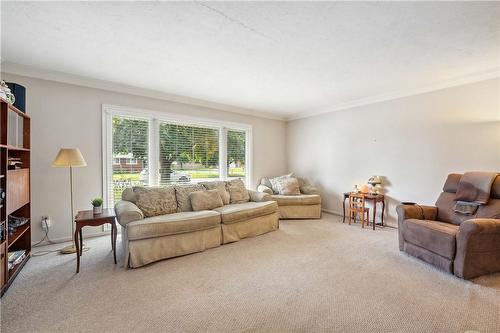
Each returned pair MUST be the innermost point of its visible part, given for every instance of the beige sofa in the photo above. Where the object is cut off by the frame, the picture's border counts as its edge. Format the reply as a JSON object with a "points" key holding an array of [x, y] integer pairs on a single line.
{"points": [[307, 205], [146, 240]]}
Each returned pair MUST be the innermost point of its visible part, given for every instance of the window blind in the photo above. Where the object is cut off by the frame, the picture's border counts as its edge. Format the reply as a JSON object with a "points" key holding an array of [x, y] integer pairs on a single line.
{"points": [[130, 145], [236, 147], [187, 153]]}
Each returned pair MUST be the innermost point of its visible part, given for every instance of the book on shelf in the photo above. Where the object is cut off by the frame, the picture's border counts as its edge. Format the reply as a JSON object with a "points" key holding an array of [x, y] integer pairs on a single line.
{"points": [[14, 163], [16, 257]]}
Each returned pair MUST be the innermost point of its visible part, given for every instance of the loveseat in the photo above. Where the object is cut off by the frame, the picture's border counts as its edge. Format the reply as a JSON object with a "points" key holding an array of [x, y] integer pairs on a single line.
{"points": [[465, 245], [149, 236], [305, 203]]}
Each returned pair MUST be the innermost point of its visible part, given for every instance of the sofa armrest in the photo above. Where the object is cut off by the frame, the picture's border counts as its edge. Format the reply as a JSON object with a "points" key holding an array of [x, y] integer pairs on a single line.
{"points": [[309, 189], [259, 196], [127, 212], [265, 189], [478, 250], [419, 212]]}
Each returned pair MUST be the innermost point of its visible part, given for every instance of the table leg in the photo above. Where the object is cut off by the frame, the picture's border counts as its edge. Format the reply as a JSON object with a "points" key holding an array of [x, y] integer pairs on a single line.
{"points": [[114, 232], [343, 210], [77, 244], [383, 210], [374, 213], [81, 242]]}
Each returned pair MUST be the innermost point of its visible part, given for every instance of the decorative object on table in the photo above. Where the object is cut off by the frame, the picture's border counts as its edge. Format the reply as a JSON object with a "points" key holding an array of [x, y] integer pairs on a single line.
{"points": [[20, 95], [97, 204], [87, 218], [375, 182], [364, 188], [355, 189], [70, 157], [7, 93]]}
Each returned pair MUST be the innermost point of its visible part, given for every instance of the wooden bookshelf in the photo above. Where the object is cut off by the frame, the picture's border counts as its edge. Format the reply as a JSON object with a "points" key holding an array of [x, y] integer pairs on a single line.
{"points": [[15, 143]]}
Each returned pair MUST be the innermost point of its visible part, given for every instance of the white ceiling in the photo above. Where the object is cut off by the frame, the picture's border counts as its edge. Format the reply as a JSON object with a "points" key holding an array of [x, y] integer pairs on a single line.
{"points": [[289, 59]]}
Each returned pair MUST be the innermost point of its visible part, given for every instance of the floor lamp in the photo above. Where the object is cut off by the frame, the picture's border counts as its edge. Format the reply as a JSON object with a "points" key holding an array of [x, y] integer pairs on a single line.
{"points": [[70, 157]]}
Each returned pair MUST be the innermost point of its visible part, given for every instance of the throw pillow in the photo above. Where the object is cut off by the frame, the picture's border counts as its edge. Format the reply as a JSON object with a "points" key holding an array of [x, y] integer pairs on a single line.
{"points": [[154, 201], [274, 182], [205, 200], [237, 191], [288, 186], [220, 186], [182, 195]]}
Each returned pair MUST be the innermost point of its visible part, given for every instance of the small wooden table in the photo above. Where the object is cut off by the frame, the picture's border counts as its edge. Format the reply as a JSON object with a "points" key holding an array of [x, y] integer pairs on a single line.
{"points": [[374, 198], [87, 218]]}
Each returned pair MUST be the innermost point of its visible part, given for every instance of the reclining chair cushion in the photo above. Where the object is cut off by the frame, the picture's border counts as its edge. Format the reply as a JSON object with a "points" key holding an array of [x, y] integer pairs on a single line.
{"points": [[437, 237]]}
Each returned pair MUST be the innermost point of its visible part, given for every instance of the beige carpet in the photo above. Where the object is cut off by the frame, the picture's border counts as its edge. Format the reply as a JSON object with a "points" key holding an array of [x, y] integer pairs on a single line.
{"points": [[310, 276]]}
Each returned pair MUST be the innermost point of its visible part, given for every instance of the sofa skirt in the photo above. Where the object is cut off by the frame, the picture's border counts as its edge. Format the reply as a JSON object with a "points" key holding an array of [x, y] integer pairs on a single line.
{"points": [[300, 212], [145, 251], [249, 228]]}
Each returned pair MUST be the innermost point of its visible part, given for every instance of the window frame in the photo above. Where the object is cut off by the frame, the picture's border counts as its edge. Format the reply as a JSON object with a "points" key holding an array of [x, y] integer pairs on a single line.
{"points": [[154, 118]]}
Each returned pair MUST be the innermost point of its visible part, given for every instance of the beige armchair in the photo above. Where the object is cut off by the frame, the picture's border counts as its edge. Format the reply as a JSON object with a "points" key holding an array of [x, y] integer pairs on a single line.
{"points": [[307, 205], [467, 246]]}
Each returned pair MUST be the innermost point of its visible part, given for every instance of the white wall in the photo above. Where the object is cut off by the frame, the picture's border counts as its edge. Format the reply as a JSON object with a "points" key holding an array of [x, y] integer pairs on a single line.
{"points": [[65, 115], [414, 142]]}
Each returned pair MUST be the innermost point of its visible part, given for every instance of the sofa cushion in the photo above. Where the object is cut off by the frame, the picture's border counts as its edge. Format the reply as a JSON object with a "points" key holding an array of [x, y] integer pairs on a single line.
{"points": [[297, 200], [240, 212], [288, 186], [437, 237], [182, 195], [171, 224], [237, 191], [220, 186], [154, 201], [205, 200], [275, 182]]}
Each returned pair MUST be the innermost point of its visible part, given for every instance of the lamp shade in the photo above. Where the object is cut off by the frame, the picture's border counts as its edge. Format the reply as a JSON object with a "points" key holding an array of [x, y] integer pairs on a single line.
{"points": [[69, 157], [374, 180]]}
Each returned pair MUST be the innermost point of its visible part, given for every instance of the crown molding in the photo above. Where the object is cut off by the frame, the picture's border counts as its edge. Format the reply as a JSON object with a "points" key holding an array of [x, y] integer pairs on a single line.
{"points": [[23, 70], [454, 82]]}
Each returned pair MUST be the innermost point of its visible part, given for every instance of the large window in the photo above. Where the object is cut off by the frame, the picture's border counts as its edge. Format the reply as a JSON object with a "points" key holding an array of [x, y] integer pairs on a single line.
{"points": [[188, 153], [151, 148], [236, 154]]}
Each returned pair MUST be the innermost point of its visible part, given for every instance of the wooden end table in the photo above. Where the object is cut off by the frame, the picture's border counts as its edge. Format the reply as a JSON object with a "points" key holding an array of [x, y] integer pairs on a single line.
{"points": [[88, 218], [374, 198]]}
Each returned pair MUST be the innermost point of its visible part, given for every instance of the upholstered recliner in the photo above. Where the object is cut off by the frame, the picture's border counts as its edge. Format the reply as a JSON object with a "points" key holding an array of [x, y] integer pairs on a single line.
{"points": [[306, 205], [465, 245]]}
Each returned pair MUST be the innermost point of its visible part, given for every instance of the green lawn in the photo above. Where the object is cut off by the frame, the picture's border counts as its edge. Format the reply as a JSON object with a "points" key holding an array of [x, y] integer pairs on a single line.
{"points": [[195, 174]]}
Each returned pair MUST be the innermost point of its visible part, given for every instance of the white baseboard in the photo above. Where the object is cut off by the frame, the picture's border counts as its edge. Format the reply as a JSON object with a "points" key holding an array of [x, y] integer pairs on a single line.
{"points": [[68, 239], [329, 211]]}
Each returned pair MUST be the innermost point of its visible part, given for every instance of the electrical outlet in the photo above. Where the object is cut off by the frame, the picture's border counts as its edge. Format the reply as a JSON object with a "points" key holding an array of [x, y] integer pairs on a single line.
{"points": [[46, 223]]}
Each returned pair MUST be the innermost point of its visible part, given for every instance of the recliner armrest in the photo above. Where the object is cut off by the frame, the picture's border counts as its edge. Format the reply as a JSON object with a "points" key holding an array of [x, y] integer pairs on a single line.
{"points": [[259, 196], [480, 226], [413, 212], [416, 212], [127, 212], [477, 248]]}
